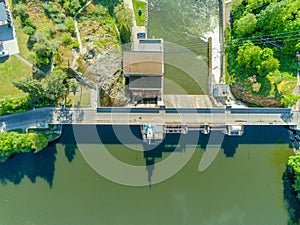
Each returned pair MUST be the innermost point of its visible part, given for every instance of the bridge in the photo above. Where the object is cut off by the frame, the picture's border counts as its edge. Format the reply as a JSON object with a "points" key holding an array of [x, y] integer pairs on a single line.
{"points": [[188, 117]]}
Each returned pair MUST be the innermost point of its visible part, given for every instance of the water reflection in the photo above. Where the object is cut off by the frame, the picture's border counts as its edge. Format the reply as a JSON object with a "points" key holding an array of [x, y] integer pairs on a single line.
{"points": [[290, 196], [31, 165]]}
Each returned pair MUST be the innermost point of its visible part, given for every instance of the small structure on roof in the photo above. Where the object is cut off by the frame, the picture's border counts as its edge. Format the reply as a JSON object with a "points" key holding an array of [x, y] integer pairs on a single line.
{"points": [[144, 70], [221, 90]]}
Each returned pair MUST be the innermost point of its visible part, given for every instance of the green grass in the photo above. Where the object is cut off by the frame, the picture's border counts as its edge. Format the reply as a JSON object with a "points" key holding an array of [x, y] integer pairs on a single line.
{"points": [[22, 40], [82, 97], [140, 20], [12, 70]]}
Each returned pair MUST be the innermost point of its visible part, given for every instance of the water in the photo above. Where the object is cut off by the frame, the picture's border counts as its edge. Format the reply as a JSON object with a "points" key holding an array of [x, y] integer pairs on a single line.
{"points": [[184, 25], [57, 186]]}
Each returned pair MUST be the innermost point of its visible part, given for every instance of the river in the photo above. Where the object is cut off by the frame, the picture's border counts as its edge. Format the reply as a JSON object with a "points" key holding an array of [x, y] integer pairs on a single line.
{"points": [[243, 185], [184, 25]]}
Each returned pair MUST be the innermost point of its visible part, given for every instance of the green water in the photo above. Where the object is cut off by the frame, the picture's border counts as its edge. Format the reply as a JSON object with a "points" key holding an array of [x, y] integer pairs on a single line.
{"points": [[57, 186], [184, 25]]}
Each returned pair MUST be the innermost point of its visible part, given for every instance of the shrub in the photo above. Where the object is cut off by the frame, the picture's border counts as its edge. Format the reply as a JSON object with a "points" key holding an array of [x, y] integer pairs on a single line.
{"points": [[28, 30], [66, 38]]}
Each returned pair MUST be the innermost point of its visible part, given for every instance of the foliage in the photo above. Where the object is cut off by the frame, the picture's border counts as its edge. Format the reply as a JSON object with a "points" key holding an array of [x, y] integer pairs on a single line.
{"points": [[28, 30], [66, 38], [261, 43], [73, 85], [124, 22], [13, 142], [290, 100], [15, 105], [246, 24], [294, 163], [21, 10], [55, 85]]}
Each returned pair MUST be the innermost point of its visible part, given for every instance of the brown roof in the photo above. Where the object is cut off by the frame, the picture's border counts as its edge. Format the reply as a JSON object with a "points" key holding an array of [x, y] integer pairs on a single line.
{"points": [[143, 62]]}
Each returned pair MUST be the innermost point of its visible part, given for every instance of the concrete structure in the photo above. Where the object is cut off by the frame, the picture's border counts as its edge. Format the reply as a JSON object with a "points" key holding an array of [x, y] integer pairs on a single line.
{"points": [[144, 70]]}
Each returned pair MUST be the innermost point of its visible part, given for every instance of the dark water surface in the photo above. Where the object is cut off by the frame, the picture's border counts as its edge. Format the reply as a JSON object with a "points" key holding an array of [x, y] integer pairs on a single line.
{"points": [[57, 186]]}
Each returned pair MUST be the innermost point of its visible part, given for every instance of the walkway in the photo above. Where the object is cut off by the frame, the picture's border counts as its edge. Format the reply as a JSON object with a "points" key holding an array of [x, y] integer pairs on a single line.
{"points": [[34, 67], [76, 26], [135, 29]]}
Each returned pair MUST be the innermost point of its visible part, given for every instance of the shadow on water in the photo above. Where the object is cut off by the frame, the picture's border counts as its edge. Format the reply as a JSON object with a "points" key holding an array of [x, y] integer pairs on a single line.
{"points": [[290, 197], [32, 165], [119, 135]]}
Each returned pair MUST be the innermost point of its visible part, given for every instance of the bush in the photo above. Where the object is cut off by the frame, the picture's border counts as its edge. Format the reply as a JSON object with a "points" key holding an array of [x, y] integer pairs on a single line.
{"points": [[13, 142], [66, 38], [15, 105], [75, 44], [28, 30]]}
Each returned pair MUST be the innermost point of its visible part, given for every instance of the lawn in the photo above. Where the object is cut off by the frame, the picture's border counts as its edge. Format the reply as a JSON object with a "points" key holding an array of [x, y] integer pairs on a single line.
{"points": [[140, 19], [82, 97], [11, 70]]}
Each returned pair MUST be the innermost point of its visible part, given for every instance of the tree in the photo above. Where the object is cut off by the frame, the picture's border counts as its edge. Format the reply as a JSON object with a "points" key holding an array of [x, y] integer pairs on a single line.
{"points": [[246, 24], [73, 86], [33, 87], [55, 85], [271, 18], [20, 10], [12, 142], [124, 17], [294, 163], [267, 66], [289, 100], [249, 58]]}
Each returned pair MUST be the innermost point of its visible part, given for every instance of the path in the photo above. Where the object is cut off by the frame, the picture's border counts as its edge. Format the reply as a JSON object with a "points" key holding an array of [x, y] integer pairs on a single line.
{"points": [[34, 67], [135, 29], [76, 26]]}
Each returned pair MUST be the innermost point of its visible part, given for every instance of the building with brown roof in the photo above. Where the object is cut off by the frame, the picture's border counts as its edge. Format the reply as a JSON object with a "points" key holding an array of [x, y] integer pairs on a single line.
{"points": [[144, 70]]}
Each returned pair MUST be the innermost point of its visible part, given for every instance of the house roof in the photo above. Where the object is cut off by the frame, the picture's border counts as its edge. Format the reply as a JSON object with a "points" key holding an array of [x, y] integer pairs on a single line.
{"points": [[145, 83], [141, 62], [3, 15]]}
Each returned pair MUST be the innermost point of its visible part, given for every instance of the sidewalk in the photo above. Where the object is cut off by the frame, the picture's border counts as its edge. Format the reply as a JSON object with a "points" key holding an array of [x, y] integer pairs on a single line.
{"points": [[135, 29]]}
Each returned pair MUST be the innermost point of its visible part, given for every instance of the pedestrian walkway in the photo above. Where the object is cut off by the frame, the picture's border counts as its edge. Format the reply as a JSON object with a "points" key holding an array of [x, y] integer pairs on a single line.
{"points": [[135, 29]]}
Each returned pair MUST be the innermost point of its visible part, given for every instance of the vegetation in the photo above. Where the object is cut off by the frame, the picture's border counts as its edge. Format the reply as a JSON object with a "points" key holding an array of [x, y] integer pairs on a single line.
{"points": [[13, 142], [294, 163], [261, 45], [124, 19], [140, 16], [12, 70]]}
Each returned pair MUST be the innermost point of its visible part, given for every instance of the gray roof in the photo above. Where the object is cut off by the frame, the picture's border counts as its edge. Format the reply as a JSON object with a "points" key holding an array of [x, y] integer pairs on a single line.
{"points": [[145, 83], [3, 15], [151, 45]]}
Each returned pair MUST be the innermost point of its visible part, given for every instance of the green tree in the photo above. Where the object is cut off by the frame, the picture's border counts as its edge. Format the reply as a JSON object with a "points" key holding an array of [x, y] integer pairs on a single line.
{"points": [[55, 85], [33, 87], [12, 143], [73, 86], [249, 58], [246, 24], [271, 18], [124, 18], [267, 66], [290, 100], [20, 10]]}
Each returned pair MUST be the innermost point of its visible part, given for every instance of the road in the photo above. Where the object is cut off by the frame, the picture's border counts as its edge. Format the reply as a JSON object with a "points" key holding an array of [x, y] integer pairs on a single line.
{"points": [[41, 117]]}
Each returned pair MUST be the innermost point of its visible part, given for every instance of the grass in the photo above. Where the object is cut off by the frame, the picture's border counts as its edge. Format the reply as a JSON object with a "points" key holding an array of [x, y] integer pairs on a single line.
{"points": [[140, 19], [22, 40], [82, 97], [12, 70]]}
